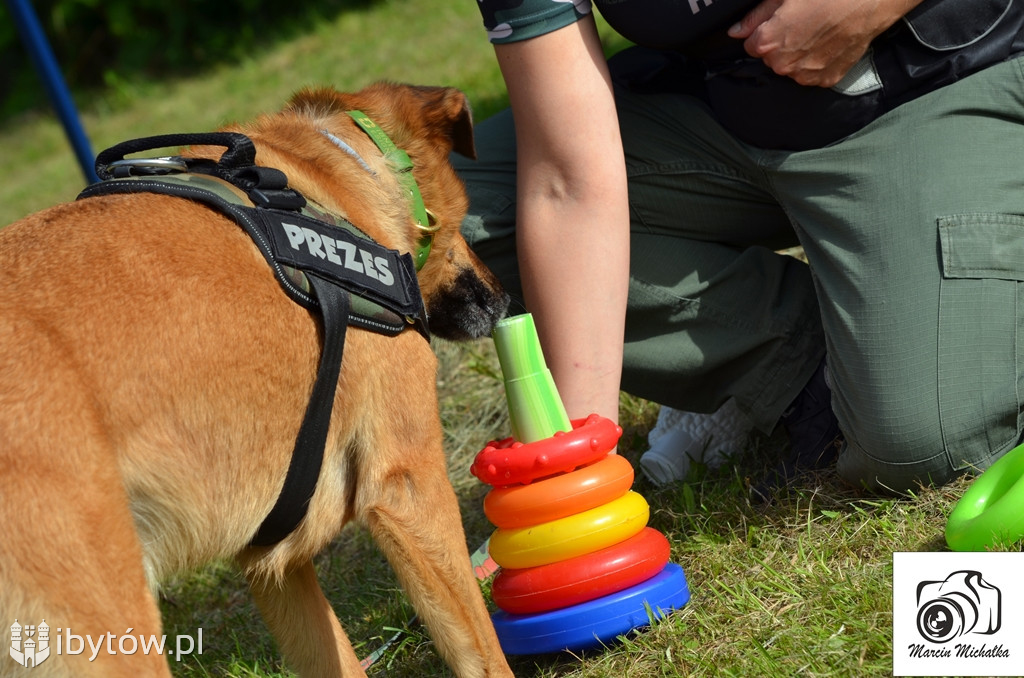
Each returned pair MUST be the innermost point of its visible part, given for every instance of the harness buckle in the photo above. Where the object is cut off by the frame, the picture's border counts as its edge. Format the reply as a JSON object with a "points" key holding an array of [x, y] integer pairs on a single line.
{"points": [[147, 167]]}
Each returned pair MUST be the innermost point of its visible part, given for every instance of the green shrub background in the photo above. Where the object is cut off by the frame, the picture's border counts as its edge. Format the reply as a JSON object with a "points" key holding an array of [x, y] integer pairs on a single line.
{"points": [[99, 43]]}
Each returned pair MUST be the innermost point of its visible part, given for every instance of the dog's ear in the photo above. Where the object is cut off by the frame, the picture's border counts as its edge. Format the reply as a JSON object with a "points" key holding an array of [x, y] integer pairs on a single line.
{"points": [[446, 113]]}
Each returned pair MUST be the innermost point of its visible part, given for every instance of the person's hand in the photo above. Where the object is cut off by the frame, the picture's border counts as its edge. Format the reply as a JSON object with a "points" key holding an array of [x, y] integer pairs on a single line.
{"points": [[815, 42]]}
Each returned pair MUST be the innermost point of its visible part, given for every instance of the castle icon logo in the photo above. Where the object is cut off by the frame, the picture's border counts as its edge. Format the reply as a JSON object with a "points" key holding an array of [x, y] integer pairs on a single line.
{"points": [[30, 645]]}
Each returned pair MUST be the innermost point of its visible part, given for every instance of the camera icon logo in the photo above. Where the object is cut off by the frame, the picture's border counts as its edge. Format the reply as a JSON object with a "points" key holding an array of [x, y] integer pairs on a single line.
{"points": [[961, 603]]}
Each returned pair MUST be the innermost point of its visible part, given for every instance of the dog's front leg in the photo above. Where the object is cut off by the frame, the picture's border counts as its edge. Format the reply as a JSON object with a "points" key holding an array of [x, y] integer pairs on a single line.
{"points": [[304, 625], [415, 521]]}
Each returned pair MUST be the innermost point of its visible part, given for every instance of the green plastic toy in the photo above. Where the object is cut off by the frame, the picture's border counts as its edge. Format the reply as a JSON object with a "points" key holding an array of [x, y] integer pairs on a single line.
{"points": [[992, 508], [535, 409]]}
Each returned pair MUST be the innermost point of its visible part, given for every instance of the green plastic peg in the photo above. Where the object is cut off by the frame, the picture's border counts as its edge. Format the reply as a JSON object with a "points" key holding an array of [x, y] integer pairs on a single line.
{"points": [[535, 409]]}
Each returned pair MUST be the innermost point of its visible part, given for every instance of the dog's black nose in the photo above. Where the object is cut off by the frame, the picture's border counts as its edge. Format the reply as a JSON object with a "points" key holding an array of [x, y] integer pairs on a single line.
{"points": [[467, 309]]}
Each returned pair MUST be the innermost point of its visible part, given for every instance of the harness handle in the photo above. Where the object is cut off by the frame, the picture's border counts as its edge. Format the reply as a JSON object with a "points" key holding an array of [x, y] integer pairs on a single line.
{"points": [[241, 151]]}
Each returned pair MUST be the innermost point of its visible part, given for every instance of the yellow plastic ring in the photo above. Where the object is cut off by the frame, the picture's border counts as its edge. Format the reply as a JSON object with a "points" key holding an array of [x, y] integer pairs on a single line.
{"points": [[571, 536]]}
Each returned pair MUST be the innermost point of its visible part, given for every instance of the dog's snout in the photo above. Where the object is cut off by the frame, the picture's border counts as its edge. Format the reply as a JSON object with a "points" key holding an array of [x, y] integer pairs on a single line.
{"points": [[468, 308]]}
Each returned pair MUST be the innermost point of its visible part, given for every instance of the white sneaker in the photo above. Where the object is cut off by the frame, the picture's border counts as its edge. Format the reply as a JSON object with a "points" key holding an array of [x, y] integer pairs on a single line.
{"points": [[680, 438]]}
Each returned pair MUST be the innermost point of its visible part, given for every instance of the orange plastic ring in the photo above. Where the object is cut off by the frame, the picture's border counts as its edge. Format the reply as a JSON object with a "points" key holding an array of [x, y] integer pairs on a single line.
{"points": [[571, 536], [586, 577], [508, 462], [561, 495]]}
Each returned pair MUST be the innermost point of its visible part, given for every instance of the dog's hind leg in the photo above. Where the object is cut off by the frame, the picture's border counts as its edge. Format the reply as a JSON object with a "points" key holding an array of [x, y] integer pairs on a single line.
{"points": [[70, 554], [89, 586], [304, 625], [415, 520]]}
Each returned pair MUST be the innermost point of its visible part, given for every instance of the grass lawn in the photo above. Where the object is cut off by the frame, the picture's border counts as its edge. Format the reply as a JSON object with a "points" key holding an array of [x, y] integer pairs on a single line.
{"points": [[802, 587]]}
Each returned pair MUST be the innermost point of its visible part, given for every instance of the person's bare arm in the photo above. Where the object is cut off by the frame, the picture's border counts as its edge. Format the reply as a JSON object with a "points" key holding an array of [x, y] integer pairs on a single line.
{"points": [[816, 42], [572, 210]]}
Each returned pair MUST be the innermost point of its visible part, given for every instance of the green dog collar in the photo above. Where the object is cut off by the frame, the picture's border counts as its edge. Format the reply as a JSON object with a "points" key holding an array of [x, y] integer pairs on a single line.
{"points": [[421, 216]]}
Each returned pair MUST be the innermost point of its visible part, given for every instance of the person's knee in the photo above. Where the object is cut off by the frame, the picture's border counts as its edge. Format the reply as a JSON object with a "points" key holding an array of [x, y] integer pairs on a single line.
{"points": [[902, 454], [891, 444], [880, 470]]}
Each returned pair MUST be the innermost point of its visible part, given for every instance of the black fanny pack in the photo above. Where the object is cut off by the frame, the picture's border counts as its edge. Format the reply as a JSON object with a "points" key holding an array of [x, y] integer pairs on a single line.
{"points": [[936, 44]]}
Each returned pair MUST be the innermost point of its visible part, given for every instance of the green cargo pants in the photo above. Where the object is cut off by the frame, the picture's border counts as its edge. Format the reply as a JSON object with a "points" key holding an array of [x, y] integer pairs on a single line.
{"points": [[914, 231]]}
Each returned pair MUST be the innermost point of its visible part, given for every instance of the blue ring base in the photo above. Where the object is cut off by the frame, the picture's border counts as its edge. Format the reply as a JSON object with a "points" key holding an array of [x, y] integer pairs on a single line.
{"points": [[595, 622]]}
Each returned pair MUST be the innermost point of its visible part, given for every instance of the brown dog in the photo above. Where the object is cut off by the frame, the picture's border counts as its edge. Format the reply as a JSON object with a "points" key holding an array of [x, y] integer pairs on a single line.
{"points": [[153, 377]]}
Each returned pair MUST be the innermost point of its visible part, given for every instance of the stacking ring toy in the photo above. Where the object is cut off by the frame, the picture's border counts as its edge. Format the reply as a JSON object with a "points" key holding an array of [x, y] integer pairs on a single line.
{"points": [[508, 462], [593, 623], [577, 580], [560, 495], [570, 536], [992, 509]]}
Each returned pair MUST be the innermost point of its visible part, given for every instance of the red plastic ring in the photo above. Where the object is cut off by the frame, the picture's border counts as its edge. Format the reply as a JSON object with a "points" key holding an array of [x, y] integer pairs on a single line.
{"points": [[561, 495], [578, 580], [508, 462]]}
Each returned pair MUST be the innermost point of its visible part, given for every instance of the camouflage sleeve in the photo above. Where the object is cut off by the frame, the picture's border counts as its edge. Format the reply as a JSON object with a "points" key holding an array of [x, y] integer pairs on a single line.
{"points": [[514, 20]]}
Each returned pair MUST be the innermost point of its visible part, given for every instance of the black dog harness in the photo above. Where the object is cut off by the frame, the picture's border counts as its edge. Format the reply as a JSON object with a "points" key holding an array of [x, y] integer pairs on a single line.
{"points": [[322, 261]]}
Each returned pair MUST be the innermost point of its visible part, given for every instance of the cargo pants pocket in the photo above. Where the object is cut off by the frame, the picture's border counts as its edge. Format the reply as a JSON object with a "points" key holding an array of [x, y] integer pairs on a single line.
{"points": [[980, 332]]}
